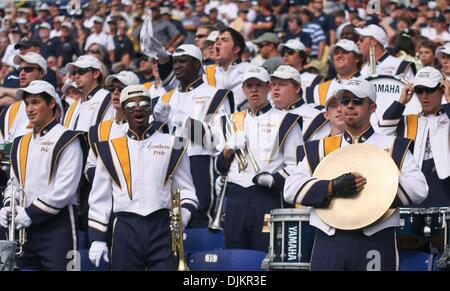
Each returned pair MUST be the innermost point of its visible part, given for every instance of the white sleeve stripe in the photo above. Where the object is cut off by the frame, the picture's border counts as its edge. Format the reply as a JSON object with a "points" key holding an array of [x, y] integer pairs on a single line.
{"points": [[44, 207], [389, 122], [402, 196], [97, 225], [306, 187], [284, 174], [189, 201]]}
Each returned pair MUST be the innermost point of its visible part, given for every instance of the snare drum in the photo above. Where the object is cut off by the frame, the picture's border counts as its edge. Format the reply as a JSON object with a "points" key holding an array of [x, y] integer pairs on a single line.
{"points": [[291, 239], [411, 234], [388, 90], [435, 220]]}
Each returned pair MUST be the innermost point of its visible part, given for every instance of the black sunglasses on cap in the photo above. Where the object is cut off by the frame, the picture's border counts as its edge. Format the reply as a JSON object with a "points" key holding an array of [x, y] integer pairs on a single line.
{"points": [[345, 100], [27, 69], [83, 71], [113, 88], [423, 89]]}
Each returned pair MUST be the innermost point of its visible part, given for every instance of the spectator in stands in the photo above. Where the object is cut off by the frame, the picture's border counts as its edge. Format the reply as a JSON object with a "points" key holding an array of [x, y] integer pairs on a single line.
{"points": [[265, 21], [268, 48], [67, 47], [295, 31], [100, 37]]}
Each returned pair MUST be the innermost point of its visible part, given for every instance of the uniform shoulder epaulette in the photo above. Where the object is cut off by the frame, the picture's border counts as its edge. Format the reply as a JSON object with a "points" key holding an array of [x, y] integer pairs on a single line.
{"points": [[64, 140], [178, 150]]}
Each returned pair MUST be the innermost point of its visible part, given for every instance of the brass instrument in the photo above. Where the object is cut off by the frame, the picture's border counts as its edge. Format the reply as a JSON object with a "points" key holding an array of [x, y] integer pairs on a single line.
{"points": [[177, 230], [230, 127], [372, 62], [11, 247], [216, 224]]}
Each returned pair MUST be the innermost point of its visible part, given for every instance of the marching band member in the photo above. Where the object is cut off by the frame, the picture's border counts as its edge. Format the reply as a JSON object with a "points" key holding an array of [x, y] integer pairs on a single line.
{"points": [[429, 129], [333, 113], [13, 119], [294, 54], [347, 61], [443, 55], [133, 179], [190, 110], [374, 35], [336, 249], [111, 128], [95, 104], [46, 164], [269, 137], [286, 95]]}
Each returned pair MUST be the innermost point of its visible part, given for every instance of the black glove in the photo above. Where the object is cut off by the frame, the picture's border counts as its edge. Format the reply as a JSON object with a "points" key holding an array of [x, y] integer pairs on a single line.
{"points": [[344, 185]]}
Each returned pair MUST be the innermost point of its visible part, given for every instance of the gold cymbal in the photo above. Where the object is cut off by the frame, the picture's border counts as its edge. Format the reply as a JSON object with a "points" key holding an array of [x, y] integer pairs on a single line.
{"points": [[378, 194]]}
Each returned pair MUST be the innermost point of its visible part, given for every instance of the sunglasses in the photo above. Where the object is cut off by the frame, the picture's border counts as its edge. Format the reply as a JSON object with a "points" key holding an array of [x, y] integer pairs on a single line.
{"points": [[132, 106], [345, 100], [94, 51], [262, 44], [114, 88], [82, 72], [288, 51], [27, 69], [421, 90]]}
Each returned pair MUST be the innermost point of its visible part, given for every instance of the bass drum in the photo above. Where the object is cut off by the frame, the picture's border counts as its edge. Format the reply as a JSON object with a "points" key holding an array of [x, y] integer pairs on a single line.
{"points": [[388, 90]]}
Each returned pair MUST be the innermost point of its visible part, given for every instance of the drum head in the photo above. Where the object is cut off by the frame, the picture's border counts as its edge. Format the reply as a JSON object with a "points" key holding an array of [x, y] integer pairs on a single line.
{"points": [[378, 194]]}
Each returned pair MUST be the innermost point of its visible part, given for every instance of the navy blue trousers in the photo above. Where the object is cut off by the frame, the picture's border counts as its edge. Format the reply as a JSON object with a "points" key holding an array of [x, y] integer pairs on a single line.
{"points": [[49, 244], [244, 216], [142, 243], [354, 251], [203, 178]]}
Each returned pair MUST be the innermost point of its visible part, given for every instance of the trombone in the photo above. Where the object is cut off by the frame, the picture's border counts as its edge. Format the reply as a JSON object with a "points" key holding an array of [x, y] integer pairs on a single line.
{"points": [[242, 154], [177, 228]]}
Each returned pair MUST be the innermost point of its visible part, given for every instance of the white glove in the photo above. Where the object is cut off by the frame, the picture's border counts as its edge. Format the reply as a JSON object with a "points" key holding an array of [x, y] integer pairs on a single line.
{"points": [[265, 180], [22, 218], [219, 184], [151, 46], [237, 141], [98, 250], [185, 216], [4, 214], [161, 112]]}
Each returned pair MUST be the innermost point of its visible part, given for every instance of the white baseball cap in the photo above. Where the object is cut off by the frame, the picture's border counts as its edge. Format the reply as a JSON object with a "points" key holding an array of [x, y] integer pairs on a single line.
{"points": [[212, 36], [45, 25], [97, 19], [374, 31], [345, 44], [83, 62], [428, 77], [360, 87], [256, 72], [125, 77], [133, 91], [127, 2], [32, 58], [287, 73], [68, 84], [37, 87], [66, 24], [293, 44], [188, 50], [445, 49]]}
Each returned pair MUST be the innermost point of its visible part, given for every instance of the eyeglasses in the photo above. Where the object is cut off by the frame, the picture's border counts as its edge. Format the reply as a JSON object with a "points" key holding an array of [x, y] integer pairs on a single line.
{"points": [[94, 51], [132, 106], [345, 100], [27, 69], [82, 72], [288, 51], [420, 90], [113, 88]]}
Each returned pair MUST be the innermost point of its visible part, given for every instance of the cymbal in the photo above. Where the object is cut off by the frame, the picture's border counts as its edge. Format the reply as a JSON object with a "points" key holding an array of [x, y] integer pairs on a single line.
{"points": [[378, 194]]}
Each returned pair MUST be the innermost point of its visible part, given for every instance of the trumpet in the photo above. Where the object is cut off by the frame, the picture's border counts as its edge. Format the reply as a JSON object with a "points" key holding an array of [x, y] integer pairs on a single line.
{"points": [[177, 230], [11, 247], [216, 224], [372, 61]]}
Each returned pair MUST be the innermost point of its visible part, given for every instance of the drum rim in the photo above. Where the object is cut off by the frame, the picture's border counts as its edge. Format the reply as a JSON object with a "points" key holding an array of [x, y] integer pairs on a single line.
{"points": [[371, 78], [284, 211]]}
